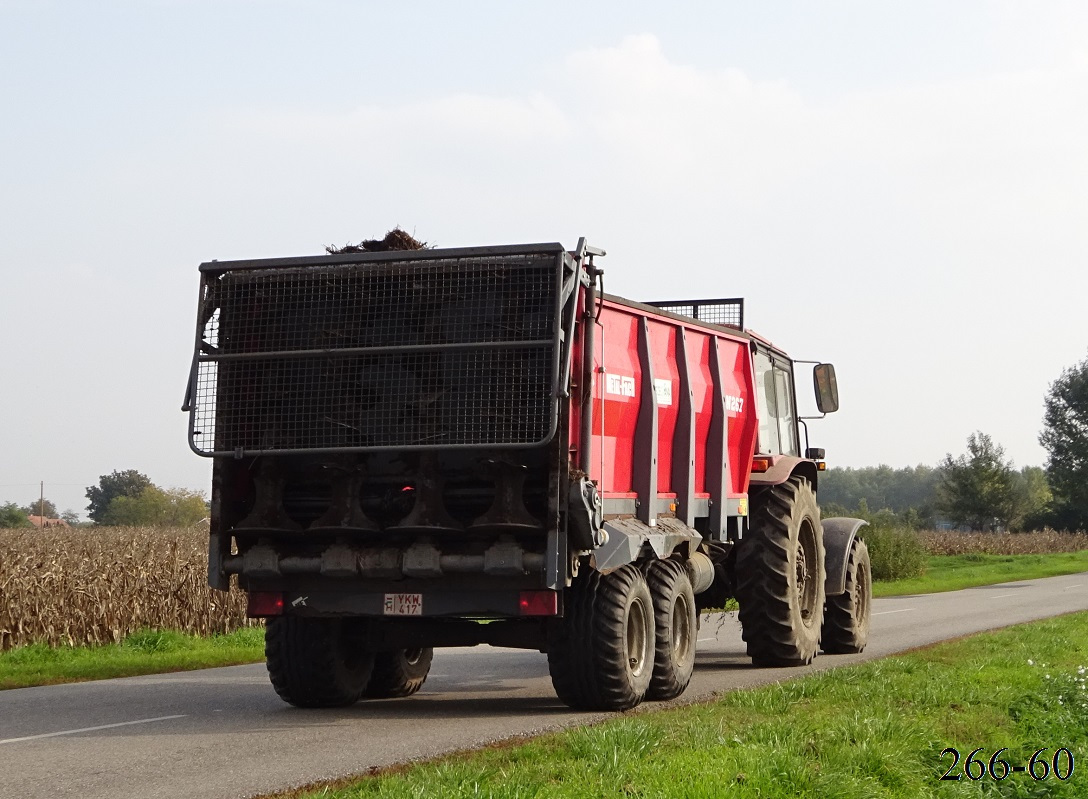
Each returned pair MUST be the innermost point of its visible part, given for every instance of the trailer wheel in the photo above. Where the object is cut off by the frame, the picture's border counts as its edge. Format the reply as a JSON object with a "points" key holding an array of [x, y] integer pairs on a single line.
{"points": [[846, 617], [313, 662], [675, 632], [780, 576], [601, 654], [401, 672]]}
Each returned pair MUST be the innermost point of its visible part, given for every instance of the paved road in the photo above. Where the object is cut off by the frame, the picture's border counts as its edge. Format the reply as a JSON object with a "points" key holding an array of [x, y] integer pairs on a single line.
{"points": [[223, 733]]}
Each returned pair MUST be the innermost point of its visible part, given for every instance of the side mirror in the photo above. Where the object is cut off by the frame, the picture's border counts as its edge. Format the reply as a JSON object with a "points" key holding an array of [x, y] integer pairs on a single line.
{"points": [[827, 388]]}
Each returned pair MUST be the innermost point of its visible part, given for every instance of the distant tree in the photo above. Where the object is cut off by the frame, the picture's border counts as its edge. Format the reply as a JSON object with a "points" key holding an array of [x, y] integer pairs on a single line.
{"points": [[11, 515], [128, 483], [70, 516], [1032, 499], [34, 509], [174, 507], [1065, 438], [909, 492], [977, 489]]}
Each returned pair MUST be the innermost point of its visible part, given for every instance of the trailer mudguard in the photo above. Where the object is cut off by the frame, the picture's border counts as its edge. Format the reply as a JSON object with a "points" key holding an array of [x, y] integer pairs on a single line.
{"points": [[626, 538], [839, 535]]}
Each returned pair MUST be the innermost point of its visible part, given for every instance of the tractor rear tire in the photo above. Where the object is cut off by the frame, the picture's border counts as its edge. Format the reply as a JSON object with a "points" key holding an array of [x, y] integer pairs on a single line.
{"points": [[675, 629], [846, 617], [401, 672], [315, 662], [780, 576], [601, 653]]}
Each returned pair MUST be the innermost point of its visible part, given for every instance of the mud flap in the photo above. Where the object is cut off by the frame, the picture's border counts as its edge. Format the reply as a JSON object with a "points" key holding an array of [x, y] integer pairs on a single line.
{"points": [[839, 535]]}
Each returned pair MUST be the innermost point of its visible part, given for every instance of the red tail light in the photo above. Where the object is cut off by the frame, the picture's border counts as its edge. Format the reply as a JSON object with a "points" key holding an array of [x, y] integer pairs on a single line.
{"points": [[264, 603], [760, 465], [538, 603]]}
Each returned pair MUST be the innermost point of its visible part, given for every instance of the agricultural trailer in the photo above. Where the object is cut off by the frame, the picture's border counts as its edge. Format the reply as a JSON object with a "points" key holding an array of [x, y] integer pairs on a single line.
{"points": [[453, 447]]}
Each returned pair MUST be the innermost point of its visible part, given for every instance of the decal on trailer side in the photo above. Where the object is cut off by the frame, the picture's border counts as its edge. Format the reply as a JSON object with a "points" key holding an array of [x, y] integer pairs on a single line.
{"points": [[620, 385], [663, 389]]}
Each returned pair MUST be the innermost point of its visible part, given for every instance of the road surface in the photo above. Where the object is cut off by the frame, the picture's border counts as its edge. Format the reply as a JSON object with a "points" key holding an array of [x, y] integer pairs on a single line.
{"points": [[223, 733]]}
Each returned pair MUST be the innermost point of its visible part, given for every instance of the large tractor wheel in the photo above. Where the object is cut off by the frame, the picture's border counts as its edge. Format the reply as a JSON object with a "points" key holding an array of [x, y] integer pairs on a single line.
{"points": [[675, 630], [314, 662], [601, 653], [780, 576], [846, 617], [401, 672]]}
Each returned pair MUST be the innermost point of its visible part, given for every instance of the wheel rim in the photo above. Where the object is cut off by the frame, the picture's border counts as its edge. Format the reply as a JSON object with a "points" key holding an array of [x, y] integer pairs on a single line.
{"points": [[807, 586], [681, 629], [412, 656], [636, 638], [861, 594]]}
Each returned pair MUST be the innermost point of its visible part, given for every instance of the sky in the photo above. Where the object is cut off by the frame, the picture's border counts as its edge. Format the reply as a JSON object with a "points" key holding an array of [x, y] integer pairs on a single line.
{"points": [[900, 188]]}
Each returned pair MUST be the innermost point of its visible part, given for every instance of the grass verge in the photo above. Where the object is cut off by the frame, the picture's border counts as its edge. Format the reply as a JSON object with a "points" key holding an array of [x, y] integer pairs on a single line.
{"points": [[953, 572], [144, 652], [872, 730]]}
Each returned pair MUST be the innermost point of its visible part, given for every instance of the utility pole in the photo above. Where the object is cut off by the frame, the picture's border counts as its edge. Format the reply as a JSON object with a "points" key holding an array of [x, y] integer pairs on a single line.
{"points": [[41, 505]]}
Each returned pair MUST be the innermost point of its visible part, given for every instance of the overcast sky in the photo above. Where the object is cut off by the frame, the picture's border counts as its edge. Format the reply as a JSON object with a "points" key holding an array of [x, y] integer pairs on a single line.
{"points": [[899, 187]]}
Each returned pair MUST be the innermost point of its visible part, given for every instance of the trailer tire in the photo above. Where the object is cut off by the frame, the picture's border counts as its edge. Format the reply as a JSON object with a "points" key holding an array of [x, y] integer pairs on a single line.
{"points": [[780, 576], [601, 653], [314, 662], [846, 617], [401, 672], [675, 628]]}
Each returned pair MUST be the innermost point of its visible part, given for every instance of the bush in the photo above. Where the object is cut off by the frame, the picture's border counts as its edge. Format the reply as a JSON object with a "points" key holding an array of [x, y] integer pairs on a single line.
{"points": [[11, 515], [895, 553]]}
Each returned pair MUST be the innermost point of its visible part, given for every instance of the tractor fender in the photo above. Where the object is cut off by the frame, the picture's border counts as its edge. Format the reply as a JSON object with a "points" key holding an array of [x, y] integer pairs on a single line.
{"points": [[839, 535], [782, 468]]}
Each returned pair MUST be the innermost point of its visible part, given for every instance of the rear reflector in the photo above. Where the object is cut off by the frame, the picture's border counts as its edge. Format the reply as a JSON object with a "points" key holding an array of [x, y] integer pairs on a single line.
{"points": [[760, 465], [538, 603], [264, 603]]}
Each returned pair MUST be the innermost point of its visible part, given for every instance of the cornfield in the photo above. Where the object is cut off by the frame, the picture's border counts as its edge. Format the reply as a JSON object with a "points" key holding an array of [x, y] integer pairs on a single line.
{"points": [[1037, 543], [78, 587], [95, 586]]}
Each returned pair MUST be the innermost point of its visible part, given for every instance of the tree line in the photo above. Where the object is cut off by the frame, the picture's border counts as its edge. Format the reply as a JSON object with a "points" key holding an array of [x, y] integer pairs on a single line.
{"points": [[981, 489], [121, 498]]}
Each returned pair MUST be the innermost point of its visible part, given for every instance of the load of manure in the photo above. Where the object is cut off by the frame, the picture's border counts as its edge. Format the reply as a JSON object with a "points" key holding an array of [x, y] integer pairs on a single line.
{"points": [[395, 239]]}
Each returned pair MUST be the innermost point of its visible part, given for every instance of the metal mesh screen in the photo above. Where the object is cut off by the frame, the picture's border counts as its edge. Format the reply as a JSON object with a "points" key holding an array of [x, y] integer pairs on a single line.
{"points": [[728, 312], [457, 352]]}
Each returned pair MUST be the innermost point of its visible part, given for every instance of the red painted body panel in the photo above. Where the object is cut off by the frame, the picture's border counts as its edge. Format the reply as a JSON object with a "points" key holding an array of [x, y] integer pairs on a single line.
{"points": [[618, 395]]}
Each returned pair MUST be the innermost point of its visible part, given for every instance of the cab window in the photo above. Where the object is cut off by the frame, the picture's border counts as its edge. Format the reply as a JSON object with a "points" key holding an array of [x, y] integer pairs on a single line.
{"points": [[775, 405], [766, 407]]}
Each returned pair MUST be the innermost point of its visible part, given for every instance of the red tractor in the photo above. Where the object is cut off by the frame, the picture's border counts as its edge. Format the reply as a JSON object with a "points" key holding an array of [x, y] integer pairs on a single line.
{"points": [[450, 447]]}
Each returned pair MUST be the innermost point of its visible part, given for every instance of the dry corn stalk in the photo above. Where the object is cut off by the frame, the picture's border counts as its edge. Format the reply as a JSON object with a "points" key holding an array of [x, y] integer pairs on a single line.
{"points": [[95, 586], [1037, 543]]}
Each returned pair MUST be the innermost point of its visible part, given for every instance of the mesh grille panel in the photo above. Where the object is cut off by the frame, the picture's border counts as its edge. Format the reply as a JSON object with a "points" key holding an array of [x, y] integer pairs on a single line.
{"points": [[717, 312], [360, 305], [381, 355]]}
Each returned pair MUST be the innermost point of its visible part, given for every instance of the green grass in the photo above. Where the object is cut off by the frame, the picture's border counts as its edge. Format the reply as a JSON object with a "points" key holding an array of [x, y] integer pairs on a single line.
{"points": [[146, 652], [953, 572], [872, 730]]}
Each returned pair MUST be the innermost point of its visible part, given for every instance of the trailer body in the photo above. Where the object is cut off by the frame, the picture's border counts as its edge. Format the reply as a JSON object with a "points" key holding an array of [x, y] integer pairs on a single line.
{"points": [[462, 446]]}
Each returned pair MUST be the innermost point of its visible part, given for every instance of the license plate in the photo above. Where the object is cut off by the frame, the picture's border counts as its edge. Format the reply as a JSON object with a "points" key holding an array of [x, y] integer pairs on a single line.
{"points": [[404, 604]]}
